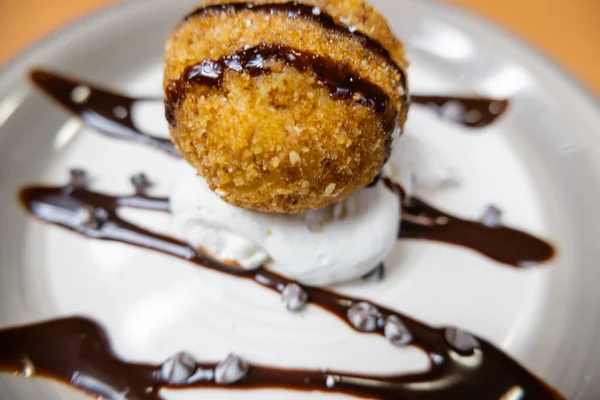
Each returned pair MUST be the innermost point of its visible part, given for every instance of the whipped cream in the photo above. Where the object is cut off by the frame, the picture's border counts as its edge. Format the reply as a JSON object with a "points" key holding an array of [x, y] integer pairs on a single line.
{"points": [[339, 243], [332, 245]]}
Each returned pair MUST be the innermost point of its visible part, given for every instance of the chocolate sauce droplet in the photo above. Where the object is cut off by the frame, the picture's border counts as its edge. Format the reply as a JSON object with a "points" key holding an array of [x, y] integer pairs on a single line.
{"points": [[79, 178], [231, 370], [396, 332], [492, 217], [178, 369], [460, 340], [86, 218], [330, 382], [294, 297], [375, 181], [141, 183], [363, 316]]}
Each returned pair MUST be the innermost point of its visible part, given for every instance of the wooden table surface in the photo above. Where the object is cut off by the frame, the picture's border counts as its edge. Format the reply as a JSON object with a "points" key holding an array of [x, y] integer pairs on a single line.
{"points": [[567, 30]]}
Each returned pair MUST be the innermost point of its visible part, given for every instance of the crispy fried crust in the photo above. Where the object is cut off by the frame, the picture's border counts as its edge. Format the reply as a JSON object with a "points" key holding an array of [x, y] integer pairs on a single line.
{"points": [[279, 142]]}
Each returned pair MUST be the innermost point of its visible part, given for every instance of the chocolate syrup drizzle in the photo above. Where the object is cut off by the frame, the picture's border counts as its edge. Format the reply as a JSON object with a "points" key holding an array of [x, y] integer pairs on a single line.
{"points": [[106, 111], [461, 366], [473, 112], [77, 351], [503, 244], [341, 82]]}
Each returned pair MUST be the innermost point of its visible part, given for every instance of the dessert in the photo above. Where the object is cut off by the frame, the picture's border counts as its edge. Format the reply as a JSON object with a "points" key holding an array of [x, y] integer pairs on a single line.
{"points": [[303, 242], [360, 242], [281, 107], [332, 245]]}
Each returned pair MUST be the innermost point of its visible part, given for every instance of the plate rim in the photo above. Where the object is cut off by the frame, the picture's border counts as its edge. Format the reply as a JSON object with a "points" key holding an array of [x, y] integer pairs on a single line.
{"points": [[13, 69]]}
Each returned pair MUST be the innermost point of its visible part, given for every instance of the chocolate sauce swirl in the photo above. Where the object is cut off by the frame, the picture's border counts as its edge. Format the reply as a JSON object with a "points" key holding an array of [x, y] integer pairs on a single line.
{"points": [[473, 112], [503, 244], [475, 367], [78, 352], [108, 112], [338, 78]]}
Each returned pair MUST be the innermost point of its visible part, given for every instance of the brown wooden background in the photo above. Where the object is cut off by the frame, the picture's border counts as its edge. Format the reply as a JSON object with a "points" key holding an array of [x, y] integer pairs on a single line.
{"points": [[567, 30]]}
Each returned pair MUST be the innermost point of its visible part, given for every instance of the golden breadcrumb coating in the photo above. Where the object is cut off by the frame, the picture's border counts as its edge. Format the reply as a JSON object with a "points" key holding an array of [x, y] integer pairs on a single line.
{"points": [[279, 141]]}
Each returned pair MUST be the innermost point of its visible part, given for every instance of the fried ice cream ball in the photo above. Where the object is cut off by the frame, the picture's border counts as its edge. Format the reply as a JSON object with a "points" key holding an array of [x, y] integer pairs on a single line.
{"points": [[285, 107]]}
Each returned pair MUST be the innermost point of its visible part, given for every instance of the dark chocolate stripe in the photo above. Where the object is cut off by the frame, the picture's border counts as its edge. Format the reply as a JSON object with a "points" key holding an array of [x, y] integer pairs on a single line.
{"points": [[295, 11], [341, 82], [473, 112], [107, 111], [501, 243], [78, 352]]}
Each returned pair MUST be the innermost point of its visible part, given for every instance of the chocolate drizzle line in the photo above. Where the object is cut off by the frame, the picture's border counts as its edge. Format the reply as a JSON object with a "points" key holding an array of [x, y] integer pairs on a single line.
{"points": [[299, 11], [106, 111], [77, 351], [341, 82], [505, 245], [473, 112], [66, 348]]}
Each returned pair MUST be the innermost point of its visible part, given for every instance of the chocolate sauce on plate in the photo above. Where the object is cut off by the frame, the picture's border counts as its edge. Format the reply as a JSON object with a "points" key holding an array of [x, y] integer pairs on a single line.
{"points": [[474, 112], [78, 352], [106, 111], [341, 82], [503, 244], [477, 367]]}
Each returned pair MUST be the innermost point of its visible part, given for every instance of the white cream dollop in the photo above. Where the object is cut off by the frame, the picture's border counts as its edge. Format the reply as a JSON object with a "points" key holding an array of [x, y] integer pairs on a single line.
{"points": [[323, 247]]}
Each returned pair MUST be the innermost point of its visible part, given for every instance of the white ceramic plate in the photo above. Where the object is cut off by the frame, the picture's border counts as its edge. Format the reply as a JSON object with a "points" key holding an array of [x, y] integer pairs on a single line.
{"points": [[540, 165]]}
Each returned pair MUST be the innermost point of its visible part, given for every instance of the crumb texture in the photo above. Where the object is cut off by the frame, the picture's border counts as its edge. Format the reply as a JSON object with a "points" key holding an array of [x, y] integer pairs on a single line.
{"points": [[280, 142]]}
